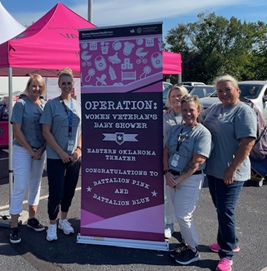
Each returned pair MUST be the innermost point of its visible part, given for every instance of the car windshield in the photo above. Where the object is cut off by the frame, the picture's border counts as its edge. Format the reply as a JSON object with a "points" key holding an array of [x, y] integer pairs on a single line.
{"points": [[250, 91]]}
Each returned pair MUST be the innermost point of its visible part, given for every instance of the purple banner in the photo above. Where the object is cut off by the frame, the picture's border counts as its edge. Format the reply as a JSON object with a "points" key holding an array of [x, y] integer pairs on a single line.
{"points": [[121, 94]]}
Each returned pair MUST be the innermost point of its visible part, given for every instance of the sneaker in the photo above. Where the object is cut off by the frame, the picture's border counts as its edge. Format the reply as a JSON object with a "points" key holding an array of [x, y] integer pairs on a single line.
{"points": [[224, 265], [187, 256], [35, 224], [51, 232], [14, 236], [65, 225], [215, 248], [179, 248], [168, 231]]}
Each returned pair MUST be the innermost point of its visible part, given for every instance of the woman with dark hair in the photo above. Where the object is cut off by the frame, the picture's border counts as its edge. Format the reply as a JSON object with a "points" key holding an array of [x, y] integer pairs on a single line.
{"points": [[186, 149]]}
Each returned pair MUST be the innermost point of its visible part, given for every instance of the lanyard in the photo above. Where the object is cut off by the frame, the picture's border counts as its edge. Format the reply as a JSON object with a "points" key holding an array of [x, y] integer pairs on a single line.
{"points": [[69, 113], [180, 139]]}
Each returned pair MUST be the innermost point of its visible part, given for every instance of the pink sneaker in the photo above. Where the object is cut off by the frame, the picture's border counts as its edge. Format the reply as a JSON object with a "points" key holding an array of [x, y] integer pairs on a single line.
{"points": [[215, 248], [224, 265]]}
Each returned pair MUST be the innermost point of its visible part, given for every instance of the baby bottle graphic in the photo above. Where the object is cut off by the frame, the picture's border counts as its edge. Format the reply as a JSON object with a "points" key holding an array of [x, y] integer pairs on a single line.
{"points": [[112, 73]]}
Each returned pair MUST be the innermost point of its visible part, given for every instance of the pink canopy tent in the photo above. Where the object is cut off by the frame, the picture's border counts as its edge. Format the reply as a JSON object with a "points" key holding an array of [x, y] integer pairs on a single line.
{"points": [[51, 44], [172, 63], [48, 45]]}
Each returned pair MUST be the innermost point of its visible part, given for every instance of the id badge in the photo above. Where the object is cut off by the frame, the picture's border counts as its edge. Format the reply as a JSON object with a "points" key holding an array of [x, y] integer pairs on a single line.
{"points": [[70, 145], [175, 160]]}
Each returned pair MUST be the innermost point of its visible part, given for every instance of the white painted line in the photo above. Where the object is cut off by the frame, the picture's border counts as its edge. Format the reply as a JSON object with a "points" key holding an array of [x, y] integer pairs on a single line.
{"points": [[6, 207]]}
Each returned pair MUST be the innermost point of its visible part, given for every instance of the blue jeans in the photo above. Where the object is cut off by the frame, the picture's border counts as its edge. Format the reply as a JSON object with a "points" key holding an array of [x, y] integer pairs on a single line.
{"points": [[225, 198]]}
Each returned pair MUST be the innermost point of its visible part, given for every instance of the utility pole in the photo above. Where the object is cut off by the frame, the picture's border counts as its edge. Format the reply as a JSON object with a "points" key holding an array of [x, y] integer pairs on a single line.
{"points": [[90, 11]]}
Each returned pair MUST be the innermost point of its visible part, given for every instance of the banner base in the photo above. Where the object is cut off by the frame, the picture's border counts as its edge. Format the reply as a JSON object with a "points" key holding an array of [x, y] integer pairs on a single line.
{"points": [[129, 243]]}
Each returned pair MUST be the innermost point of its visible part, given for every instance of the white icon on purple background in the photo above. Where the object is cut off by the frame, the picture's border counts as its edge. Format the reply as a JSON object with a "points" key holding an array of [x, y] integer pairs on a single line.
{"points": [[156, 60], [100, 63], [141, 54], [86, 59]]}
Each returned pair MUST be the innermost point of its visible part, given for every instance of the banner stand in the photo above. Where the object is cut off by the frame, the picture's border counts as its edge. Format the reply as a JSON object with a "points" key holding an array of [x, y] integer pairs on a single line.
{"points": [[128, 243]]}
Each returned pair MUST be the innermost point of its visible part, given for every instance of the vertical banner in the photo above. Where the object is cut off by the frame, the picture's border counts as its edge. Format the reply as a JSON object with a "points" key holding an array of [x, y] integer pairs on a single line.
{"points": [[121, 94]]}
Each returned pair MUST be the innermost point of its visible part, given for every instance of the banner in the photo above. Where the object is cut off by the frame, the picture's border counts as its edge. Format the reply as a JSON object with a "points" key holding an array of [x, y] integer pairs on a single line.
{"points": [[121, 94]]}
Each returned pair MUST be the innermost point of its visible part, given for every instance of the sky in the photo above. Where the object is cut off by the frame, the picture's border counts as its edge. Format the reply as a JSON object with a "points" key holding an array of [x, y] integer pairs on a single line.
{"points": [[120, 12]]}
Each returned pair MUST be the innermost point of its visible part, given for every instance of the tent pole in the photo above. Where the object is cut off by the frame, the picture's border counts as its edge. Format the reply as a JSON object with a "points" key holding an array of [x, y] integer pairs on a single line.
{"points": [[4, 216]]}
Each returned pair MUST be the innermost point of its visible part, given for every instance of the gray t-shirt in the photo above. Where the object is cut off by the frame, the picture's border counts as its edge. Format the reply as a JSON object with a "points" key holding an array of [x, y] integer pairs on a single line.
{"points": [[27, 114], [227, 126], [61, 119], [170, 119], [190, 140]]}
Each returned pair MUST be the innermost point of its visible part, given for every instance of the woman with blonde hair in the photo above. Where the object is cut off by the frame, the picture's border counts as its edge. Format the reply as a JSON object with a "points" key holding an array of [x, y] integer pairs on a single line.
{"points": [[233, 127], [28, 154], [61, 122], [171, 117]]}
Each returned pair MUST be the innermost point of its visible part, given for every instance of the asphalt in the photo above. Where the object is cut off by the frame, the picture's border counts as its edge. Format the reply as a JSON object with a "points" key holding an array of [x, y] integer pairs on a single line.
{"points": [[35, 253]]}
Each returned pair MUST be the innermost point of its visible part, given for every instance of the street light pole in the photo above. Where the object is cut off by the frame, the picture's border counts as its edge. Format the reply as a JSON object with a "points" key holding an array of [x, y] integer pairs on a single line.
{"points": [[90, 11]]}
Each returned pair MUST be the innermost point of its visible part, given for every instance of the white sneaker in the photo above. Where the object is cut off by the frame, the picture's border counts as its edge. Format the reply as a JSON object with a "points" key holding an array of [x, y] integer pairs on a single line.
{"points": [[51, 232], [65, 225], [168, 231]]}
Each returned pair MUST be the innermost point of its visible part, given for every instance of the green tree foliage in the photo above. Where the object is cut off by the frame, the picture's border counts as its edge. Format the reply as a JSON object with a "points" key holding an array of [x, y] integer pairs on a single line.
{"points": [[214, 46]]}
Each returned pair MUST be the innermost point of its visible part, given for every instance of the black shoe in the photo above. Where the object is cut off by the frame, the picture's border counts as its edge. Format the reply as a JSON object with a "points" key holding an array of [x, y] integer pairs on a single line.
{"points": [[14, 236], [35, 224], [178, 249], [187, 256]]}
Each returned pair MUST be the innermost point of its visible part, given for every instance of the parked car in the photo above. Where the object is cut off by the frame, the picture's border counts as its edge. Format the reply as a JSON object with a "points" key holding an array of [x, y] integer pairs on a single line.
{"points": [[202, 91], [256, 91], [193, 83], [166, 86]]}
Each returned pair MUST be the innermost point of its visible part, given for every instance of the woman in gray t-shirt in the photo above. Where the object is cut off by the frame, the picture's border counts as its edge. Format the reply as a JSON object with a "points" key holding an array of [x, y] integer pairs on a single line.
{"points": [[28, 154], [61, 121], [171, 117], [232, 124], [187, 147]]}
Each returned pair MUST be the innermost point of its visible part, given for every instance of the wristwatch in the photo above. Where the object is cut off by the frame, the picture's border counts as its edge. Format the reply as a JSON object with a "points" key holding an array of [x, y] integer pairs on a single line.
{"points": [[165, 171]]}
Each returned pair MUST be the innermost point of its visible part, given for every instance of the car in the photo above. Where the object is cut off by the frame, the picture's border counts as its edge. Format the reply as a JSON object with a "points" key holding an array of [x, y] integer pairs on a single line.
{"points": [[193, 83], [255, 91], [166, 86], [202, 91]]}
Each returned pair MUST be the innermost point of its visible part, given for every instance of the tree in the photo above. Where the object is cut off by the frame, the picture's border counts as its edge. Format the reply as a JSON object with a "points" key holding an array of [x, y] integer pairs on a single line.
{"points": [[214, 46]]}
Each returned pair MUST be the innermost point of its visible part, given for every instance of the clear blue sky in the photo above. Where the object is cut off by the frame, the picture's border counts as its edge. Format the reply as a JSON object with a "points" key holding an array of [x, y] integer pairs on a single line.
{"points": [[119, 12]]}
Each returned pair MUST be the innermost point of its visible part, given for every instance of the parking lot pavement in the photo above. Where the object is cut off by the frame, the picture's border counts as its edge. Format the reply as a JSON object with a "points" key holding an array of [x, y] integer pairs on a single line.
{"points": [[35, 253]]}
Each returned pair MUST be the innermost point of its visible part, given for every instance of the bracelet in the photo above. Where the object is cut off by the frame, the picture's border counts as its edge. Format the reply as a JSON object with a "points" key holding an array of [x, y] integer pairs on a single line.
{"points": [[165, 171]]}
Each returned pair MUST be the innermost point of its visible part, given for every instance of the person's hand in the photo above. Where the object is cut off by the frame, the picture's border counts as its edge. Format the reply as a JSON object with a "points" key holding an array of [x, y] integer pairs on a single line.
{"points": [[76, 155], [65, 157], [170, 180], [38, 153], [228, 176]]}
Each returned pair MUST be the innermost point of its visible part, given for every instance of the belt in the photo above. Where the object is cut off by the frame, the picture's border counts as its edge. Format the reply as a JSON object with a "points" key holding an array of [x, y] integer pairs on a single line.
{"points": [[178, 173]]}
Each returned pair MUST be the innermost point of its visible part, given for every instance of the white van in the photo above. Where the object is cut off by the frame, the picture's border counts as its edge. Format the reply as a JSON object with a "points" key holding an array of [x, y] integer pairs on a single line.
{"points": [[193, 83]]}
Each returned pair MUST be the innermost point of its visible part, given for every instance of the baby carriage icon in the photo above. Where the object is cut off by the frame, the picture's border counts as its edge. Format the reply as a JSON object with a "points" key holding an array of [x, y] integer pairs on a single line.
{"points": [[141, 54], [86, 59]]}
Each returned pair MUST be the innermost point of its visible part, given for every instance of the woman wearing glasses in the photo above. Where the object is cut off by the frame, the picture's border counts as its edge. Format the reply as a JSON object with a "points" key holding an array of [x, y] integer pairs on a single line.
{"points": [[61, 122]]}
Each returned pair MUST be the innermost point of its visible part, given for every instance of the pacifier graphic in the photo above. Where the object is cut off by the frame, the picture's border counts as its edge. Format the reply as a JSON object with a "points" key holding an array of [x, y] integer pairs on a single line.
{"points": [[100, 63], [156, 60], [101, 81]]}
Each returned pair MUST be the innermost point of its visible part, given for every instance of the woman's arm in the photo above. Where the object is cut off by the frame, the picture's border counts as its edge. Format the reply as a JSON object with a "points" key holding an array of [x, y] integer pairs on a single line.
{"points": [[21, 138], [193, 166], [53, 144], [242, 153], [78, 151]]}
